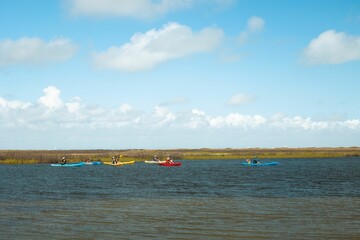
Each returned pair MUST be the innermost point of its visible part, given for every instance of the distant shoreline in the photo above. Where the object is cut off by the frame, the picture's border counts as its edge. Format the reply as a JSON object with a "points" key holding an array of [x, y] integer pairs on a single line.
{"points": [[52, 156]]}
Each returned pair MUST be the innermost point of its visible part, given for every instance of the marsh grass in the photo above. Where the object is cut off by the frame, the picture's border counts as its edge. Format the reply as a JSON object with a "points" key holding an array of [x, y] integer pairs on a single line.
{"points": [[19, 161], [55, 156]]}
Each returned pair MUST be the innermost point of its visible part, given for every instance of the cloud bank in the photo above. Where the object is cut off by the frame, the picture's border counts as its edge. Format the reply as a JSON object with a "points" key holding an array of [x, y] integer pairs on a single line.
{"points": [[35, 51], [51, 121], [332, 47], [51, 111], [147, 50]]}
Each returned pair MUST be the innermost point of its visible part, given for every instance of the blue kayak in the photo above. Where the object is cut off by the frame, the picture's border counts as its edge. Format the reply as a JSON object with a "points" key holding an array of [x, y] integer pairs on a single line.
{"points": [[92, 163], [79, 164], [259, 164]]}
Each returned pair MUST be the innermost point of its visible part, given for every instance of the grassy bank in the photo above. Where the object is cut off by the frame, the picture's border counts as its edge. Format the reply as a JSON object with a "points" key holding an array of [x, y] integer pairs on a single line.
{"points": [[18, 161], [53, 156]]}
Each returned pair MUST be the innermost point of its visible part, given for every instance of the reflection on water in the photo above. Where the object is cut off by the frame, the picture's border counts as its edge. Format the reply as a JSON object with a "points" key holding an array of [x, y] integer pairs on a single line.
{"points": [[311, 199]]}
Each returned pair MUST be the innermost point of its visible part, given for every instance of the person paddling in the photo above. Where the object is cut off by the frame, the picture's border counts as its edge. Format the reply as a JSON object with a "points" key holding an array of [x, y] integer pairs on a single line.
{"points": [[169, 160], [156, 159], [63, 161], [256, 160]]}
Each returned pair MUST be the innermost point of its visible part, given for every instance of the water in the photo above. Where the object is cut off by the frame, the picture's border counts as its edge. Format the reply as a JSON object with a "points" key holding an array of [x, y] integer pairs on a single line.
{"points": [[299, 199]]}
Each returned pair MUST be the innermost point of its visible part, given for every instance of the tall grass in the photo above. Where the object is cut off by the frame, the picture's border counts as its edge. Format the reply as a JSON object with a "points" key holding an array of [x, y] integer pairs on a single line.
{"points": [[53, 156], [19, 161]]}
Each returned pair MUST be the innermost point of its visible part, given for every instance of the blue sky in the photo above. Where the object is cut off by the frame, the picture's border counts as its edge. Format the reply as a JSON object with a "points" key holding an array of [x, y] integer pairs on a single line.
{"points": [[90, 74]]}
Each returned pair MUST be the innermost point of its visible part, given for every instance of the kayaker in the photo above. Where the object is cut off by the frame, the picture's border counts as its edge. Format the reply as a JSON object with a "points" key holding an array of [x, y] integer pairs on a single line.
{"points": [[169, 160], [156, 159], [255, 161], [63, 161], [114, 161]]}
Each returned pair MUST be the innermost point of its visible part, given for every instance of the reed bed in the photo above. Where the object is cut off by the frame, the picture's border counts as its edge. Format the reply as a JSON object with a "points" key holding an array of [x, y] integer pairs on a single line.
{"points": [[19, 161], [54, 156]]}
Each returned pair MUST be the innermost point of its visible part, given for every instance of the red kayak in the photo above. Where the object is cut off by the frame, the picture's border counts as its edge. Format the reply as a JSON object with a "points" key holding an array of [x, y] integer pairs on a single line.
{"points": [[170, 164]]}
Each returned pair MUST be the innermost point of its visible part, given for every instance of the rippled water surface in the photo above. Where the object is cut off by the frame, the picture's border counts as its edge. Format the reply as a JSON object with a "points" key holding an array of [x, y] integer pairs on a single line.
{"points": [[299, 198]]}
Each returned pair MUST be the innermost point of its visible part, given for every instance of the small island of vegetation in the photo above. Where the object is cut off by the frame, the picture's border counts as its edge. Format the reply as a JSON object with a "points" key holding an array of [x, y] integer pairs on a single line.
{"points": [[53, 156]]}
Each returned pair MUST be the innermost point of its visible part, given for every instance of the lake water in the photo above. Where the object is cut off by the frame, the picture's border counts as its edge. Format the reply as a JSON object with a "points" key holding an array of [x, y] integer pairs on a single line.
{"points": [[298, 199]]}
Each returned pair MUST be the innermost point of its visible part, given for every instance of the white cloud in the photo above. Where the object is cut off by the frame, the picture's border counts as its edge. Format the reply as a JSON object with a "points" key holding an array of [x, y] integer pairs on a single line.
{"points": [[126, 8], [5, 104], [35, 51], [332, 47], [138, 9], [51, 113], [147, 50], [237, 120], [51, 100], [124, 108], [73, 107], [162, 116], [254, 25], [240, 99], [197, 119], [283, 122], [352, 124], [198, 112]]}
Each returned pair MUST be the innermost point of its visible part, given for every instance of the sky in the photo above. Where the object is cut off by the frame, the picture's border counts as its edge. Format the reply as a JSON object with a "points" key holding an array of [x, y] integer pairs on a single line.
{"points": [[163, 74]]}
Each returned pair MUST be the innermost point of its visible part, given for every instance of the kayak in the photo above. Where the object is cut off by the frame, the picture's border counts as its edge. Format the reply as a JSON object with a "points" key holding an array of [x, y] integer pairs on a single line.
{"points": [[113, 164], [175, 164], [79, 164], [259, 164], [93, 163], [119, 163], [128, 162], [154, 162]]}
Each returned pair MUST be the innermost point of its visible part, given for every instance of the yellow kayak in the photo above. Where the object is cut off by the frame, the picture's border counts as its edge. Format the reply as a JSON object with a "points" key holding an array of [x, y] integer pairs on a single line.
{"points": [[128, 162], [113, 164], [119, 163]]}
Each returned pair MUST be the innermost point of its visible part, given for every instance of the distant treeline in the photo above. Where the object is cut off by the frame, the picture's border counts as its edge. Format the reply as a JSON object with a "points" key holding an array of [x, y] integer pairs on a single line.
{"points": [[52, 156]]}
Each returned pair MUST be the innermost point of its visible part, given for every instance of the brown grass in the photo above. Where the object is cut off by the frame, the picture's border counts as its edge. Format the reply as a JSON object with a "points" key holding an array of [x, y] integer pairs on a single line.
{"points": [[53, 156]]}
